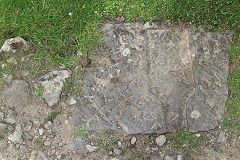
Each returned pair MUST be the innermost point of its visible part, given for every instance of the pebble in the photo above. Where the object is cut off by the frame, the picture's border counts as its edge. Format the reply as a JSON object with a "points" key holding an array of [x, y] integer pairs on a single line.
{"points": [[59, 156], [168, 158], [179, 157], [77, 143], [47, 143], [72, 101], [16, 137], [160, 140], [119, 143], [48, 125], [148, 148], [117, 151], [197, 135], [110, 153], [41, 131], [28, 126], [66, 121], [12, 60], [91, 148], [24, 148], [1, 115], [222, 138], [7, 78], [133, 140], [114, 159]]}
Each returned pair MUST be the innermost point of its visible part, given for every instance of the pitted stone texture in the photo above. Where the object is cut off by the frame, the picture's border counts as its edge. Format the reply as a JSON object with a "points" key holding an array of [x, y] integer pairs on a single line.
{"points": [[13, 44], [53, 83], [155, 80]]}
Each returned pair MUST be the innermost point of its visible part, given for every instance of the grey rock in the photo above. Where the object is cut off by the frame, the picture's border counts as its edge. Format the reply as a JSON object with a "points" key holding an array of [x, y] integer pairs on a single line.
{"points": [[47, 143], [41, 131], [168, 158], [77, 143], [48, 125], [3, 144], [7, 78], [17, 94], [160, 140], [13, 44], [1, 115], [2, 127], [179, 157], [119, 143], [38, 155], [28, 126], [24, 148], [91, 148], [156, 80], [10, 120], [133, 140], [114, 159], [222, 138], [72, 101], [16, 137], [53, 83], [117, 151]]}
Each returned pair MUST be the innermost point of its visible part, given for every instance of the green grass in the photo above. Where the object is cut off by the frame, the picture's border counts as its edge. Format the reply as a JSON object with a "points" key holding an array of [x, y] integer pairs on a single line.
{"points": [[81, 132], [39, 144], [186, 143], [52, 116], [107, 140]]}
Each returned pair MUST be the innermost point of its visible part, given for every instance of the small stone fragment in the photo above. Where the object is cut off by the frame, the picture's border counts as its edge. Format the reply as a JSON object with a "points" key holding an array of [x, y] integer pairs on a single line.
{"points": [[72, 101], [16, 137], [28, 126], [13, 44], [41, 131], [179, 157], [47, 143], [1, 115], [168, 158], [48, 125], [160, 140], [7, 78], [198, 135], [133, 140], [24, 148], [53, 84], [91, 148], [76, 143], [222, 138], [119, 143], [114, 159], [117, 151]]}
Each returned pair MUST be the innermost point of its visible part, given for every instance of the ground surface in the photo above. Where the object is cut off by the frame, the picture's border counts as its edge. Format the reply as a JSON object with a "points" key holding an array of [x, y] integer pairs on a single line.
{"points": [[59, 139]]}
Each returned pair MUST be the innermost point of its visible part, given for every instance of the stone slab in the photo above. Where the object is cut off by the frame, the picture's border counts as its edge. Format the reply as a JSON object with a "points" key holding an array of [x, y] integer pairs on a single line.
{"points": [[156, 79]]}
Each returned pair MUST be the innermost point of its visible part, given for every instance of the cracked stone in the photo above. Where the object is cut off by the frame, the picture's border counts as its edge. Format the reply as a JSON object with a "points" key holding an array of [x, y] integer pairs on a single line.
{"points": [[13, 44]]}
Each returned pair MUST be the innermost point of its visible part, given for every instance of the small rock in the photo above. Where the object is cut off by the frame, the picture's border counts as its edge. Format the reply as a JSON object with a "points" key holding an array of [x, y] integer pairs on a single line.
{"points": [[133, 140], [38, 156], [47, 143], [53, 151], [7, 78], [10, 120], [117, 151], [53, 84], [3, 144], [28, 126], [72, 101], [1, 115], [114, 159], [155, 148], [66, 121], [198, 135], [12, 60], [168, 158], [16, 137], [222, 138], [2, 127], [48, 125], [119, 143], [59, 156], [13, 44], [148, 148], [91, 148], [110, 153], [160, 140], [179, 157], [77, 143], [24, 148], [4, 65], [41, 131]]}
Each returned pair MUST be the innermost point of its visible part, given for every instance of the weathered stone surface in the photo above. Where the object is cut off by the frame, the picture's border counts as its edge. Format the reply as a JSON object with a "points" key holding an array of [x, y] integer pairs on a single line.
{"points": [[17, 94], [157, 79], [13, 44], [53, 83], [16, 137]]}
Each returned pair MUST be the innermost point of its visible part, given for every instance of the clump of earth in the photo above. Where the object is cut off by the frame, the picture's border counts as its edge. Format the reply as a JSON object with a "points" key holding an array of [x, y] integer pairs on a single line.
{"points": [[145, 82]]}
